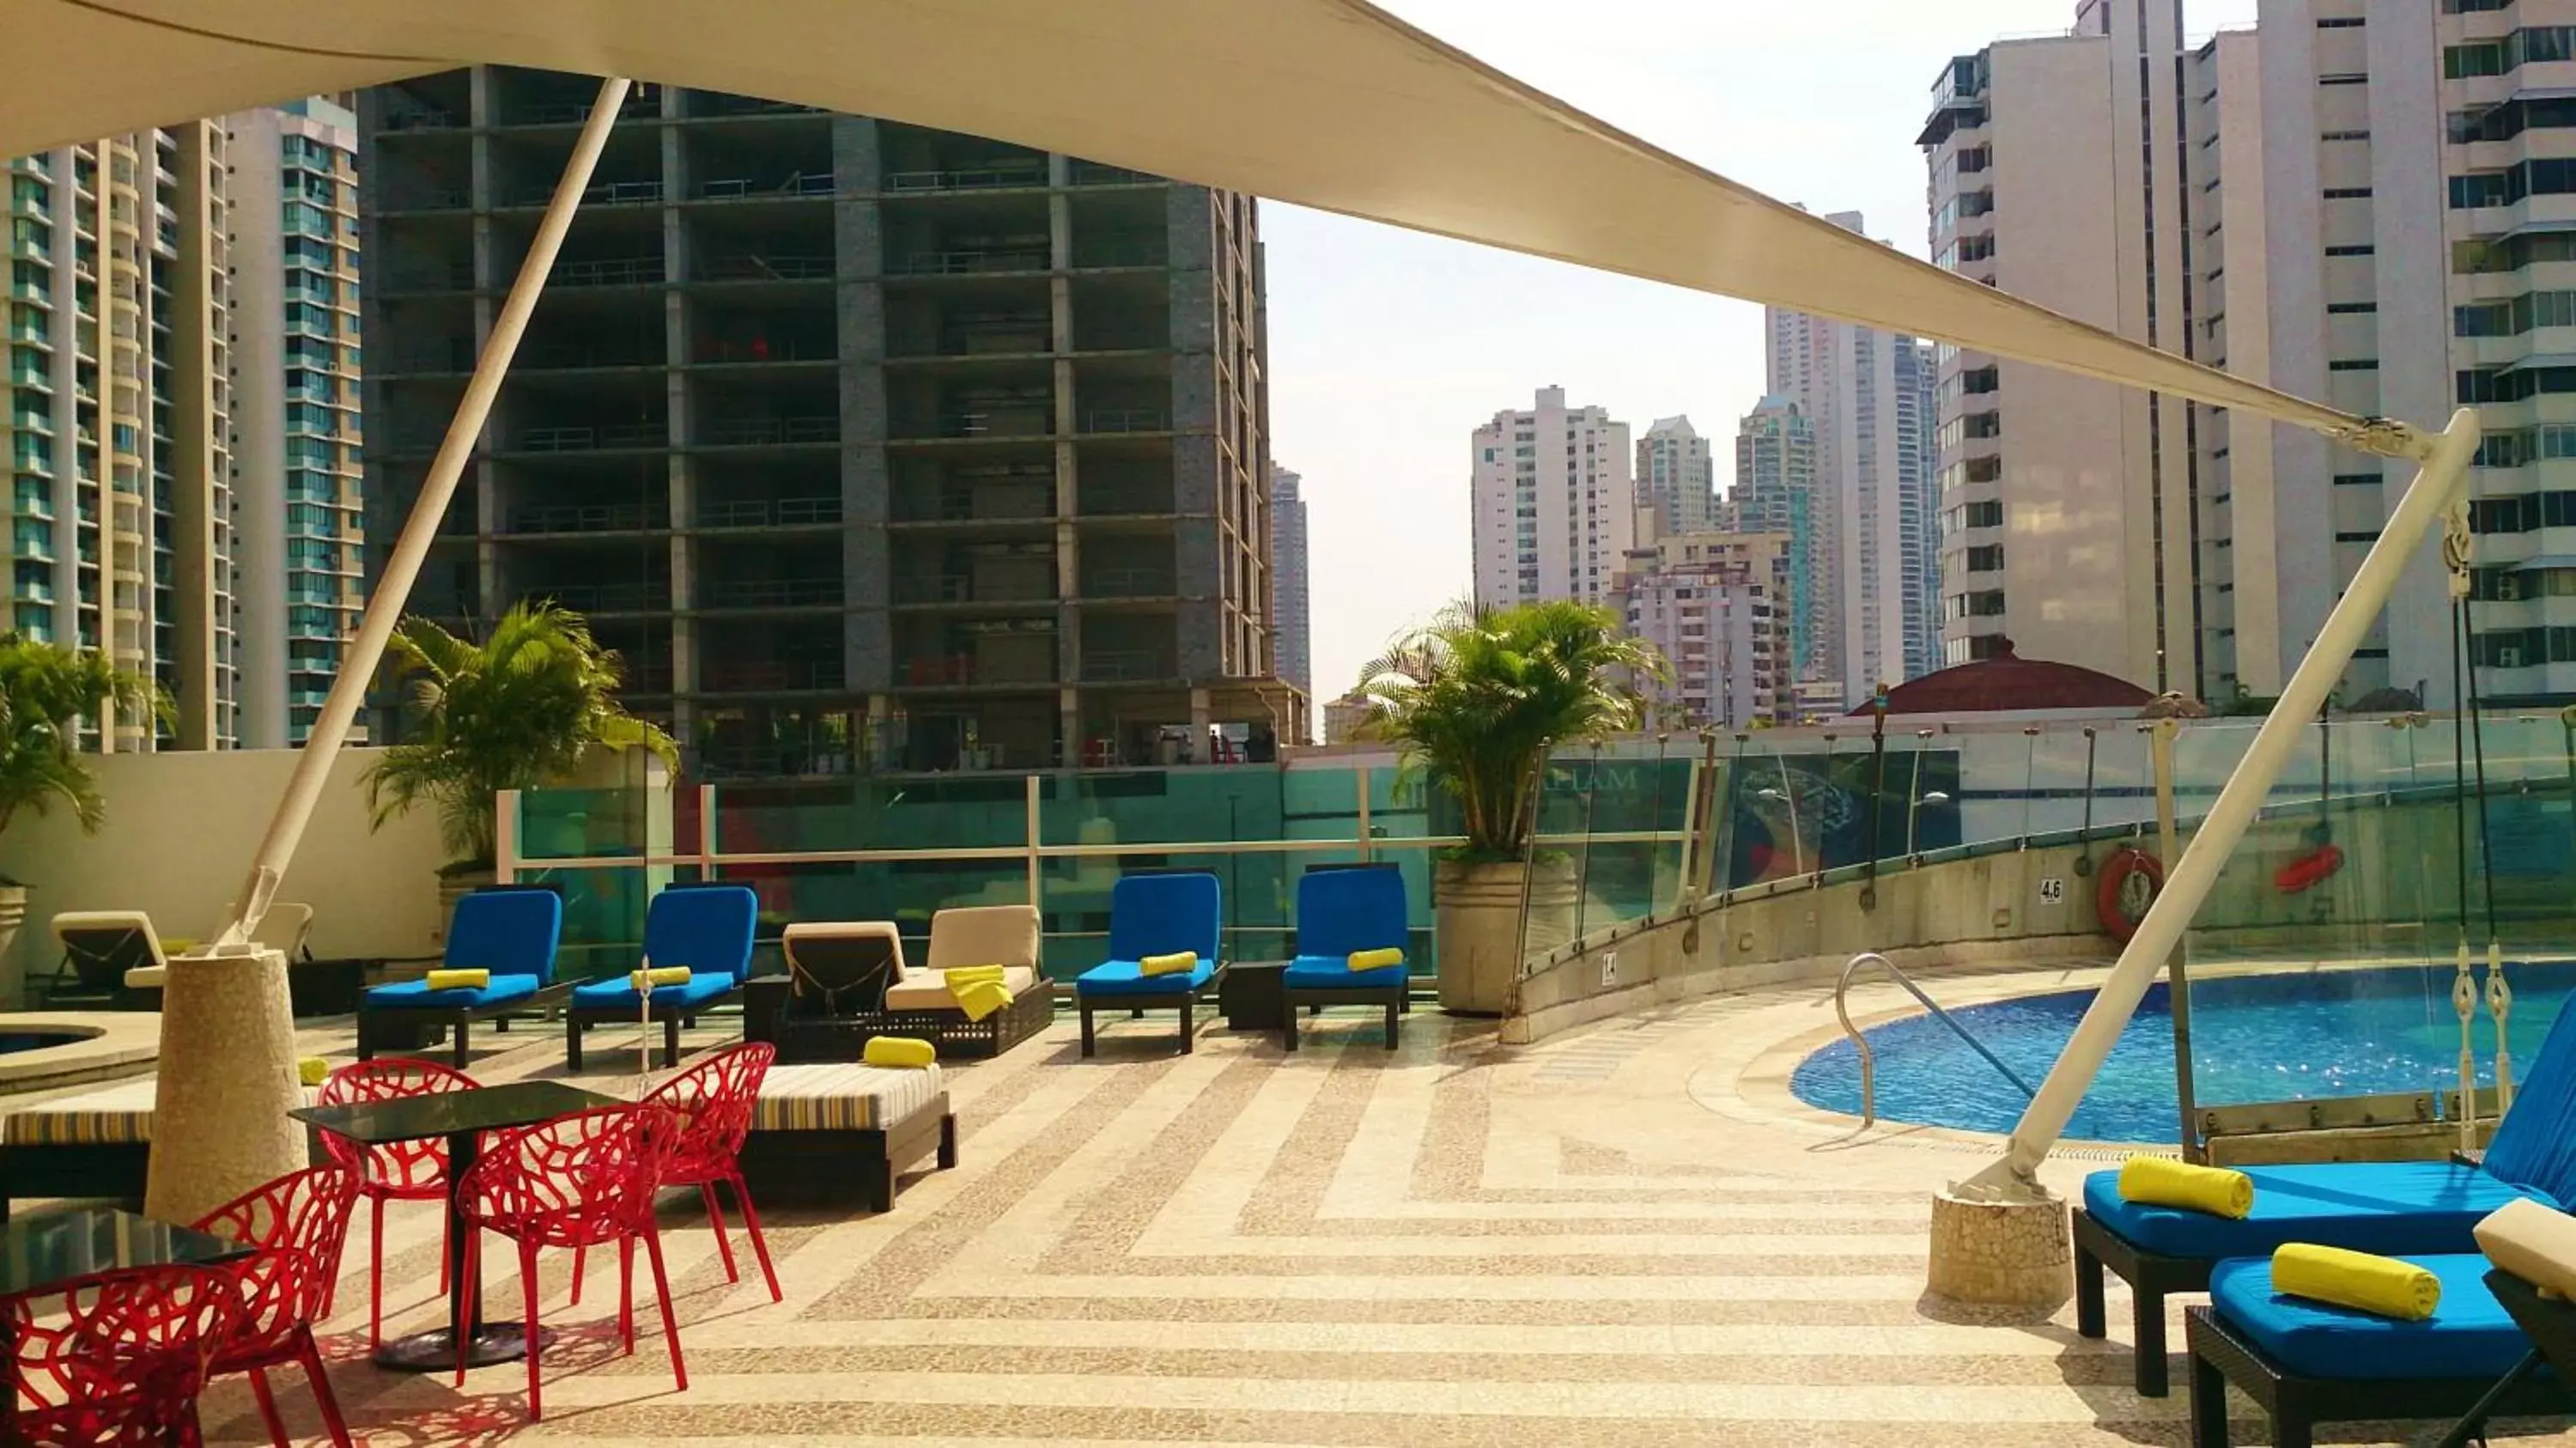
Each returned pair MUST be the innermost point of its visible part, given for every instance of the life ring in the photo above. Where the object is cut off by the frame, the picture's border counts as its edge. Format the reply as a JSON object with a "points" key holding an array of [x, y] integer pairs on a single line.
{"points": [[2130, 880]]}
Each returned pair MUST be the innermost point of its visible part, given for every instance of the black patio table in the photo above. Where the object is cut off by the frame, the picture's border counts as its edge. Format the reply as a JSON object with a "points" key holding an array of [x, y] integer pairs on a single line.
{"points": [[462, 1117]]}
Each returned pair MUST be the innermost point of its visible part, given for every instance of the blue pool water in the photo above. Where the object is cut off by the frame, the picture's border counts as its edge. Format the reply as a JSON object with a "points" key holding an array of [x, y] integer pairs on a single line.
{"points": [[2254, 1038]]}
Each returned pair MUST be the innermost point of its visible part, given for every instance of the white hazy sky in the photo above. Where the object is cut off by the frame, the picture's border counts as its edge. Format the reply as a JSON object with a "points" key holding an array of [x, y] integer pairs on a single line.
{"points": [[1388, 348]]}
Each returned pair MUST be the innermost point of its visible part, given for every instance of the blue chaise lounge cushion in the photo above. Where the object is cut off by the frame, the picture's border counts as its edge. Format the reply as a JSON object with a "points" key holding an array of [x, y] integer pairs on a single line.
{"points": [[1333, 972], [617, 993], [1127, 978], [2387, 1207], [416, 995], [2468, 1336]]}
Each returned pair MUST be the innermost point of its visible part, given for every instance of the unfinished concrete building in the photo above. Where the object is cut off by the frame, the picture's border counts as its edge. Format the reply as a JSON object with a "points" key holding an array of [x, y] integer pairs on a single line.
{"points": [[870, 446]]}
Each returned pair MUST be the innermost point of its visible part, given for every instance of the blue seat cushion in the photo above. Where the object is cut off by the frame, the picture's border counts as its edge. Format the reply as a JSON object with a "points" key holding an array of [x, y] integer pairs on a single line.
{"points": [[415, 995], [618, 994], [1333, 972], [2385, 1207], [1126, 978], [2468, 1336]]}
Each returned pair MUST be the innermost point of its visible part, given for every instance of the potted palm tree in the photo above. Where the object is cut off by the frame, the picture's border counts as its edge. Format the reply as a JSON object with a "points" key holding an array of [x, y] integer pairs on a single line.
{"points": [[46, 690], [519, 709], [1476, 700]]}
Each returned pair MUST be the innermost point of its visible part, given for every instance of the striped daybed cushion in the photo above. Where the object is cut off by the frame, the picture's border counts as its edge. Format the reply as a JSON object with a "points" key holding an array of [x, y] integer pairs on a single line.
{"points": [[836, 1097], [112, 1115]]}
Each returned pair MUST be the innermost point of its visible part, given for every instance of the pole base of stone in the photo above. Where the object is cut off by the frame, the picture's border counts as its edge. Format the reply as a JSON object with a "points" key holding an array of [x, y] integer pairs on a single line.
{"points": [[219, 1123], [2011, 1254]]}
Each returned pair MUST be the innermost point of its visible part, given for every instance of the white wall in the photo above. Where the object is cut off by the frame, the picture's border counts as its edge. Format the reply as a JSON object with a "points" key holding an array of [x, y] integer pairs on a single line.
{"points": [[177, 842]]}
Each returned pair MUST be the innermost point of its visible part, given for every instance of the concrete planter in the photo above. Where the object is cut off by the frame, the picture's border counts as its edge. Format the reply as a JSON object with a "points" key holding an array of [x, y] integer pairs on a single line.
{"points": [[13, 914], [1478, 910]]}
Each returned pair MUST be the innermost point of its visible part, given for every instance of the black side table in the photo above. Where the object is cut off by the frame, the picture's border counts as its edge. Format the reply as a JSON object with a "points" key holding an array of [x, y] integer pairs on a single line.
{"points": [[1249, 996]]}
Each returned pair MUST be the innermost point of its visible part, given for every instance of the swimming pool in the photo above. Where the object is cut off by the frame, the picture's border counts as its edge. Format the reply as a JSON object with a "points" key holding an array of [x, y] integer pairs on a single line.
{"points": [[2254, 1038]]}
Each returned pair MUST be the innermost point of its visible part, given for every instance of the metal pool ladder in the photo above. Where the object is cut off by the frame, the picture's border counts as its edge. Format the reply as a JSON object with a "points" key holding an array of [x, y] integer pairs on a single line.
{"points": [[1860, 1043]]}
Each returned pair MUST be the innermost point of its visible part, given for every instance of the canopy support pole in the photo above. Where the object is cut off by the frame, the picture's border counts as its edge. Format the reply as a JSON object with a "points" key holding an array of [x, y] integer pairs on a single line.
{"points": [[2443, 464], [402, 566]]}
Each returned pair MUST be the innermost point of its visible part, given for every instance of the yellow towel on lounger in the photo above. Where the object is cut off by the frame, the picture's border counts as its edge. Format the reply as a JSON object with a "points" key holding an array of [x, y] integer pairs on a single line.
{"points": [[660, 975], [312, 1070], [898, 1051], [1378, 959], [2358, 1280], [961, 976], [1176, 963], [458, 979], [980, 998], [2160, 1181]]}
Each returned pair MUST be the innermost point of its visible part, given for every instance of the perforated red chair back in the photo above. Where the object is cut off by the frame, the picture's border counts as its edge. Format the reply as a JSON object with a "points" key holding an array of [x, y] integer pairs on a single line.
{"points": [[576, 1180], [299, 1223], [713, 1102], [116, 1357], [396, 1169]]}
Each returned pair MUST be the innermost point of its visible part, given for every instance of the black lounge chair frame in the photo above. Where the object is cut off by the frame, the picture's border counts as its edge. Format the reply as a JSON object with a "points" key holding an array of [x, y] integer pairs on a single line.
{"points": [[1397, 1000], [1185, 1001], [401, 1028], [2151, 1280], [2296, 1404], [579, 1018], [821, 1167], [806, 1021]]}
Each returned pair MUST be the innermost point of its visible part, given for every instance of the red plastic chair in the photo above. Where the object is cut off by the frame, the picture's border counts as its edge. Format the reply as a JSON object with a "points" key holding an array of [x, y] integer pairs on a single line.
{"points": [[577, 1181], [299, 1223], [404, 1171], [116, 1358], [713, 1102]]}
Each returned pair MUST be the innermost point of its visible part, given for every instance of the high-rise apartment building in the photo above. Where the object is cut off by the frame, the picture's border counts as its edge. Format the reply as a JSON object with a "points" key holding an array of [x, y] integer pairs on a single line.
{"points": [[868, 445], [1776, 491], [1918, 505], [120, 535], [1555, 512], [297, 506], [1288, 583], [1714, 605], [1677, 477], [1858, 389], [2061, 171]]}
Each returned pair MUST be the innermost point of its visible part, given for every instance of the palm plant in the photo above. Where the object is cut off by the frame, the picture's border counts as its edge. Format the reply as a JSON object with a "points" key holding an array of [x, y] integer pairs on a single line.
{"points": [[515, 711], [46, 690], [1478, 697]]}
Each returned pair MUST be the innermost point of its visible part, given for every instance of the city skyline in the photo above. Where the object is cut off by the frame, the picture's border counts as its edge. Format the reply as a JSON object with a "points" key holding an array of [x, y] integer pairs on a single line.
{"points": [[1388, 345]]}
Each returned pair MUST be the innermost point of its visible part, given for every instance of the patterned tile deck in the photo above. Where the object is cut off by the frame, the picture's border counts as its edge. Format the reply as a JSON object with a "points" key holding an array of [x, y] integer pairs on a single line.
{"points": [[1596, 1240]]}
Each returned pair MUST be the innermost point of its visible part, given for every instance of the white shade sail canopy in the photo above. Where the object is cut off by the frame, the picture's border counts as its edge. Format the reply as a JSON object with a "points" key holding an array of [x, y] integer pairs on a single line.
{"points": [[1332, 104]]}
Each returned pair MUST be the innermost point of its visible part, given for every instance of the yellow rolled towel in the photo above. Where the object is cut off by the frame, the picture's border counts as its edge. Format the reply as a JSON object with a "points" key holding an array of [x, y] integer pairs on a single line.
{"points": [[906, 1051], [2358, 1280], [660, 975], [458, 979], [981, 998], [312, 1070], [2160, 1181], [1176, 963], [1378, 959], [961, 976]]}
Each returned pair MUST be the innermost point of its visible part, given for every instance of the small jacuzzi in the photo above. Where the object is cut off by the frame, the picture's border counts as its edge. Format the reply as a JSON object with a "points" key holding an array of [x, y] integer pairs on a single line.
{"points": [[2279, 1036]]}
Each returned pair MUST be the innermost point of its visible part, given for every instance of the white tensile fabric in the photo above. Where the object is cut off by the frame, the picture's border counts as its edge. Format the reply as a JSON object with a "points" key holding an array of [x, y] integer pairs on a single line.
{"points": [[1327, 103]]}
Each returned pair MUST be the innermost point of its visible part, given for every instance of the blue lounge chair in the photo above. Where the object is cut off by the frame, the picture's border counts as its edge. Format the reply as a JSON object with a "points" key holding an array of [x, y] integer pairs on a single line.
{"points": [[509, 932], [2391, 1208], [2306, 1363], [1155, 915], [1341, 911], [707, 928]]}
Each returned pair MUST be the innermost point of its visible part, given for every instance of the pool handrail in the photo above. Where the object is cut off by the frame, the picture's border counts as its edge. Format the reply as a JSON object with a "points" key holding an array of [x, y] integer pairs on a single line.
{"points": [[1860, 1042]]}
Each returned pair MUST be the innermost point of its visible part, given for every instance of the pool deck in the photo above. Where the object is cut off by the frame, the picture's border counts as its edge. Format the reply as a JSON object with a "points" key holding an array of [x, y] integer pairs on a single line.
{"points": [[1626, 1235]]}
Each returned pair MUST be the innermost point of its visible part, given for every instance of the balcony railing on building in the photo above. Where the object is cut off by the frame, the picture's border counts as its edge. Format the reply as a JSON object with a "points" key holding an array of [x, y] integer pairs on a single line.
{"points": [[608, 597], [1126, 419], [774, 593], [995, 177], [768, 512], [608, 271], [757, 431], [795, 183], [764, 267], [586, 439], [1127, 583], [1125, 665], [960, 670], [588, 518], [972, 260], [749, 676]]}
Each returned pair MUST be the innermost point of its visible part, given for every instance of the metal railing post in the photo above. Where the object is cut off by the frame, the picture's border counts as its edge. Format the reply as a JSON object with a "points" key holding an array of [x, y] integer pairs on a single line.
{"points": [[1036, 829], [1360, 779], [706, 832]]}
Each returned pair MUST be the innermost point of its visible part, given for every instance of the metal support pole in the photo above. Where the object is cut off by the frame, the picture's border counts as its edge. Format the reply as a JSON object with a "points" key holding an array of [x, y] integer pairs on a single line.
{"points": [[505, 837], [402, 566], [1360, 782], [1036, 828], [2015, 1177], [707, 832], [2160, 743]]}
